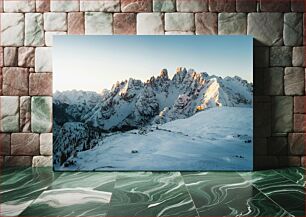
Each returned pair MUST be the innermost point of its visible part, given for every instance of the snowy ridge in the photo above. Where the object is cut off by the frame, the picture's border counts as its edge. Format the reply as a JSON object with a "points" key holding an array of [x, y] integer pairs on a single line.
{"points": [[77, 97], [133, 103]]}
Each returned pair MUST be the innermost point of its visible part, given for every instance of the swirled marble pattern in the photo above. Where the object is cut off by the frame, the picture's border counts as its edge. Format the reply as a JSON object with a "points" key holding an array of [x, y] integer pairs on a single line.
{"points": [[182, 208], [151, 194], [227, 194], [42, 192], [143, 187], [285, 192], [70, 202], [75, 194], [20, 187], [296, 174]]}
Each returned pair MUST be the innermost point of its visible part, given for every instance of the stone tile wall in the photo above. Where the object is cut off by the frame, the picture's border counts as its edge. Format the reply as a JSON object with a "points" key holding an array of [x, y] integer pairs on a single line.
{"points": [[27, 28]]}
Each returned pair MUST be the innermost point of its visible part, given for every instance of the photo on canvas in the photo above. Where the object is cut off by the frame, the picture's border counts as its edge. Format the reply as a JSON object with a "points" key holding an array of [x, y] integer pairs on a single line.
{"points": [[152, 103]]}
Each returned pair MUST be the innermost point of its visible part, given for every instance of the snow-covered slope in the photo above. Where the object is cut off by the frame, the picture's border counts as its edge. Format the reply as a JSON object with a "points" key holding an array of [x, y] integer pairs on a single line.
{"points": [[71, 138], [133, 103], [214, 139], [82, 120]]}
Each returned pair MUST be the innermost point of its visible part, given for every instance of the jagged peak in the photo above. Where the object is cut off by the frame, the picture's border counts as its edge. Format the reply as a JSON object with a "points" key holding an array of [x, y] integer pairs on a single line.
{"points": [[234, 78], [164, 73], [181, 74], [117, 84], [180, 70], [187, 92], [238, 78]]}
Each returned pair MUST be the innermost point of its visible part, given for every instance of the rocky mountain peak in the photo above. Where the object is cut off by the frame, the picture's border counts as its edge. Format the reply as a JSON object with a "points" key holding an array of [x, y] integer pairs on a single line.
{"points": [[133, 103], [164, 73], [180, 70]]}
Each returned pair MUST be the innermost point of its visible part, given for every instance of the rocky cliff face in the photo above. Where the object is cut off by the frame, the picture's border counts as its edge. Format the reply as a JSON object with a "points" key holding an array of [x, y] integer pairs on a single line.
{"points": [[133, 103]]}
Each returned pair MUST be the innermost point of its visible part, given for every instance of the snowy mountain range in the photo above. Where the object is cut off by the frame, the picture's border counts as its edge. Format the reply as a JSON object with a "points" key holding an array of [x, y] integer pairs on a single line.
{"points": [[82, 118], [133, 103]]}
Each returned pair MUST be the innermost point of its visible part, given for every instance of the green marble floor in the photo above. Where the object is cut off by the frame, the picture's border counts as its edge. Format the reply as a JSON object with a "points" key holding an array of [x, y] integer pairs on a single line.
{"points": [[42, 192]]}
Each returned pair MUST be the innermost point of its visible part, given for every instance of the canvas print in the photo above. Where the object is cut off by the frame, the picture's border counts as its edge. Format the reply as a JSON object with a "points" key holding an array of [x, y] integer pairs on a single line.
{"points": [[153, 103]]}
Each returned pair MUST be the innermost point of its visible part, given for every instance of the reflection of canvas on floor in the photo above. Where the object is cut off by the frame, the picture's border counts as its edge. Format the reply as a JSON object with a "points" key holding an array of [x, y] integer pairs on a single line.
{"points": [[182, 120]]}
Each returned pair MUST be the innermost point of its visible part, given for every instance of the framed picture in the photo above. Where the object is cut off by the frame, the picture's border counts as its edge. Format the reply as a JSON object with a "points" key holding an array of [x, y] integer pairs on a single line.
{"points": [[153, 103]]}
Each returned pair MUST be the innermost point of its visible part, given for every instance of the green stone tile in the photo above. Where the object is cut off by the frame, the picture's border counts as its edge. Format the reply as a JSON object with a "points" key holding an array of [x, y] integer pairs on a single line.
{"points": [[70, 202], [143, 187], [227, 194], [12, 173], [102, 181], [20, 187], [164, 177], [296, 174], [151, 194], [75, 194], [183, 208], [283, 191], [41, 112], [260, 177], [164, 5]]}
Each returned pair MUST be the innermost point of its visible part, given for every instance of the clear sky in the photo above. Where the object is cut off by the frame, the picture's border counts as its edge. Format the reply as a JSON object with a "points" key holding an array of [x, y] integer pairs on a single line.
{"points": [[97, 62]]}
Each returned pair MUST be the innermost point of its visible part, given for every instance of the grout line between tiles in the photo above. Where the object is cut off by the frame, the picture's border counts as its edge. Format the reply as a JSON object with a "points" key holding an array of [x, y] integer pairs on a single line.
{"points": [[189, 194], [267, 196]]}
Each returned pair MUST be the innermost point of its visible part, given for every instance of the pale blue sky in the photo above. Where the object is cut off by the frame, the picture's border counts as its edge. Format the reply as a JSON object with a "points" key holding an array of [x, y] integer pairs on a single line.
{"points": [[97, 62]]}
